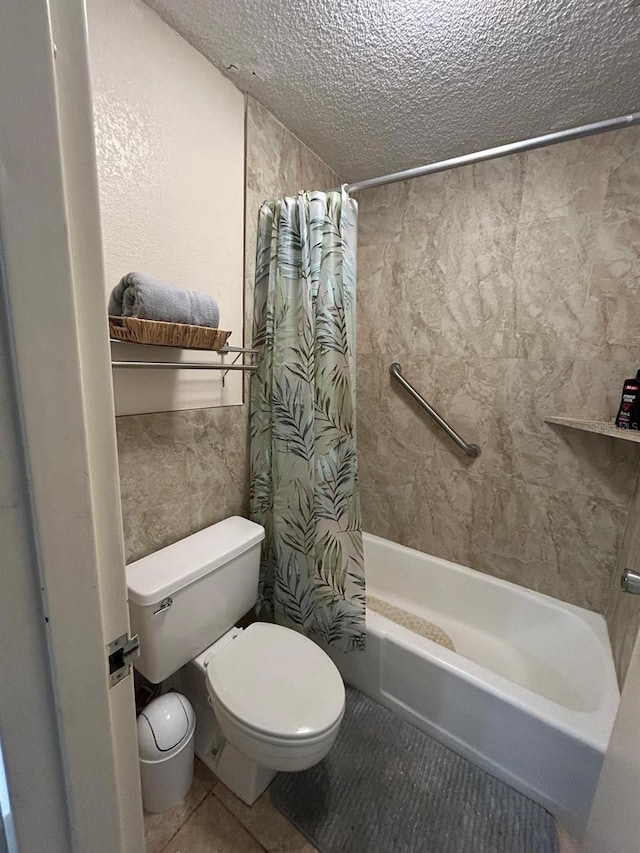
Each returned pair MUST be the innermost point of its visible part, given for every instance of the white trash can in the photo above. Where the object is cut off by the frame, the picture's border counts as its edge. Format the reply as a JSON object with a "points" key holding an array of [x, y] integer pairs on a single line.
{"points": [[166, 729]]}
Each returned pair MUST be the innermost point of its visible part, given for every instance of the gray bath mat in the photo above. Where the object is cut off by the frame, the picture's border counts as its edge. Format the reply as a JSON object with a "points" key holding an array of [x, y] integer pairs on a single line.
{"points": [[387, 787]]}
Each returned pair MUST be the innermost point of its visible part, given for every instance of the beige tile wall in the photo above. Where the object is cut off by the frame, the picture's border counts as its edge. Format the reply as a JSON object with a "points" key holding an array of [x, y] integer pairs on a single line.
{"points": [[623, 610], [181, 471], [508, 291]]}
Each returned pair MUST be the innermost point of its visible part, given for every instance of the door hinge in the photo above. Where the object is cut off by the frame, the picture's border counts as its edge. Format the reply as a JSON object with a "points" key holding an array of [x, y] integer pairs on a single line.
{"points": [[121, 653]]}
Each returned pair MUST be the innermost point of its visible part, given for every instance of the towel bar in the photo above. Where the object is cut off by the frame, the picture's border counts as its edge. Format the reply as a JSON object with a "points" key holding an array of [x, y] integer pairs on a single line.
{"points": [[183, 365], [188, 365]]}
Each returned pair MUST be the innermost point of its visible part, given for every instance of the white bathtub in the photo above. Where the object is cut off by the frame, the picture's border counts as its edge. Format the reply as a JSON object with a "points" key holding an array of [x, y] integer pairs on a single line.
{"points": [[531, 693]]}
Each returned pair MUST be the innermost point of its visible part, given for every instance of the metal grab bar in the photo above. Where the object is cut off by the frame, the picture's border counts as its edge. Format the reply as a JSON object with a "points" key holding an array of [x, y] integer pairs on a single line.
{"points": [[472, 450]]}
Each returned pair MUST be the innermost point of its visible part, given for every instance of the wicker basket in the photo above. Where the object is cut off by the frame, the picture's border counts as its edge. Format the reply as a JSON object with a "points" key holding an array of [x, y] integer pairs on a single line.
{"points": [[135, 331]]}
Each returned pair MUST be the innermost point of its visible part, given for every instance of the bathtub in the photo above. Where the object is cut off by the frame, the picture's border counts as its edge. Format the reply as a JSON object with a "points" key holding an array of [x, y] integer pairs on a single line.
{"points": [[529, 695]]}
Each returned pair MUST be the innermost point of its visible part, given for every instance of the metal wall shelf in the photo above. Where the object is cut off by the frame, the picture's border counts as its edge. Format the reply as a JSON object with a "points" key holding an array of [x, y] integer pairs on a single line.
{"points": [[238, 352]]}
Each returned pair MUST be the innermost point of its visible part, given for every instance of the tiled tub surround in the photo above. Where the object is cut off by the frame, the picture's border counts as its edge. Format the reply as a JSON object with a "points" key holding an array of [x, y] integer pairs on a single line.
{"points": [[623, 610], [181, 471], [508, 291]]}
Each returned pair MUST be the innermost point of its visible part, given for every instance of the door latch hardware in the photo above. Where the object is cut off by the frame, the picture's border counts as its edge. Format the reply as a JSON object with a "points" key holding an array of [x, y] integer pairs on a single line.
{"points": [[121, 653]]}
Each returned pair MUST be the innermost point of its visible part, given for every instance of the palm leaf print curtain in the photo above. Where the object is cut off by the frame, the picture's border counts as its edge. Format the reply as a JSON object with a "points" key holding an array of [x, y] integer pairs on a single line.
{"points": [[304, 475]]}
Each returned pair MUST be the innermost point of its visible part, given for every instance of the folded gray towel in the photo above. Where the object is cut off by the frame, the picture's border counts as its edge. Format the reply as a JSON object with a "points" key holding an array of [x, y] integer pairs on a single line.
{"points": [[138, 296]]}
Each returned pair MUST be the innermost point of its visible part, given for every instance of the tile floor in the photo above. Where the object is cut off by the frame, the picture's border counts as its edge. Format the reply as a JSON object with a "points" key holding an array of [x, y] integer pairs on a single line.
{"points": [[213, 820]]}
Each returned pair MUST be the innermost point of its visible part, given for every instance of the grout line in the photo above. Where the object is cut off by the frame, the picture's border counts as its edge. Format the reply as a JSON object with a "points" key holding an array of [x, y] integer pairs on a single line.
{"points": [[186, 821], [246, 828]]}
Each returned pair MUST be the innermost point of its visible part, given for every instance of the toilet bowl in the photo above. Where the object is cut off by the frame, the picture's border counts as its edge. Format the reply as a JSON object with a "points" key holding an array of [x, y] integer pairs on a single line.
{"points": [[266, 698], [274, 753], [277, 696], [275, 702]]}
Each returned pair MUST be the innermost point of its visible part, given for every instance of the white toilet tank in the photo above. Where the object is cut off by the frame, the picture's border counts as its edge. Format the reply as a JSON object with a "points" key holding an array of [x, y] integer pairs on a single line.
{"points": [[187, 595]]}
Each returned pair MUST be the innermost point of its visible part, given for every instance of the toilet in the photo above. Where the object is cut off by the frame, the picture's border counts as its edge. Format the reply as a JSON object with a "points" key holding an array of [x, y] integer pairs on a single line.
{"points": [[266, 698]]}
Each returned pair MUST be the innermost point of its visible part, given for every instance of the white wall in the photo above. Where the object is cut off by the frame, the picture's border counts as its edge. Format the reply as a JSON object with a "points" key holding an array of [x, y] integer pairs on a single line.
{"points": [[170, 146]]}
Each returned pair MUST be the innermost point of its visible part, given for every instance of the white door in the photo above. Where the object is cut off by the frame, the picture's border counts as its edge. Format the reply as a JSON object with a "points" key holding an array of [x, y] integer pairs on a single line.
{"points": [[614, 823], [68, 738]]}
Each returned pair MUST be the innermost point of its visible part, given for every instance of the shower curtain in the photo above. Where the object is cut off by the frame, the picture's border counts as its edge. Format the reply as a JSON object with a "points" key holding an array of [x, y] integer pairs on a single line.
{"points": [[304, 475]]}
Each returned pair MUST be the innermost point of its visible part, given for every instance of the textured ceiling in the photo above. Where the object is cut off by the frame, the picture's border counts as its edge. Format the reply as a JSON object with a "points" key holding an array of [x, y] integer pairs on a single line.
{"points": [[375, 86]]}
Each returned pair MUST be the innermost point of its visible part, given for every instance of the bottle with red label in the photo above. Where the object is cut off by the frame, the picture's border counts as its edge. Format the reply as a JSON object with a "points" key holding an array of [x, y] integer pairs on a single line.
{"points": [[629, 411]]}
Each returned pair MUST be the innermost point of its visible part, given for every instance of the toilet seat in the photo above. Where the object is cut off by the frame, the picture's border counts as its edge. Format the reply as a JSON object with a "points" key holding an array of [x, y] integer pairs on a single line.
{"points": [[276, 685], [303, 741]]}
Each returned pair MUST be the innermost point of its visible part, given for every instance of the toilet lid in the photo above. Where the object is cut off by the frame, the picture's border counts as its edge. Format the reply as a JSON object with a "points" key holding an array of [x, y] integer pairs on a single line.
{"points": [[278, 682]]}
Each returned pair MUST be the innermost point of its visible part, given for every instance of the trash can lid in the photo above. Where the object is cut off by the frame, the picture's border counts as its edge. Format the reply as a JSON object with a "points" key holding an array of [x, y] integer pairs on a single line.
{"points": [[164, 725]]}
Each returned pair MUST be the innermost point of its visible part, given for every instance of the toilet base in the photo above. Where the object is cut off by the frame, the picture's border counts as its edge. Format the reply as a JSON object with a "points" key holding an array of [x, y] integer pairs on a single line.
{"points": [[246, 779], [228, 748]]}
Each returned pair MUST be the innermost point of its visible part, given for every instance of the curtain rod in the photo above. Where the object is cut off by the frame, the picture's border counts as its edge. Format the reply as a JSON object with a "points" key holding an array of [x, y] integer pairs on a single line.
{"points": [[500, 151]]}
